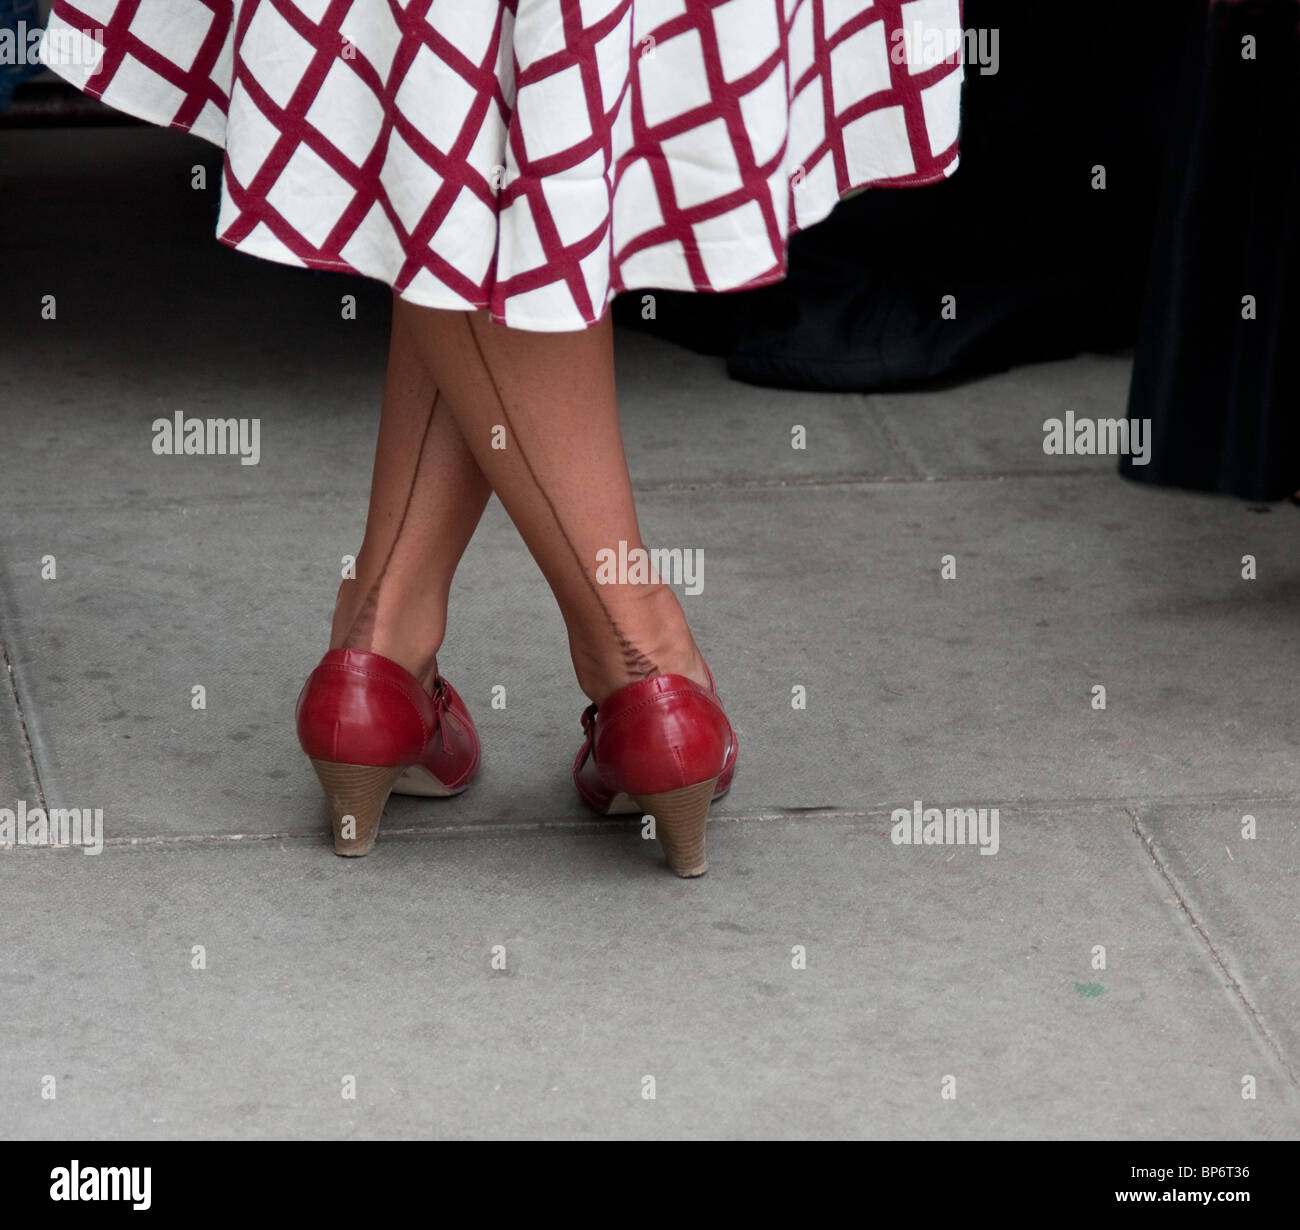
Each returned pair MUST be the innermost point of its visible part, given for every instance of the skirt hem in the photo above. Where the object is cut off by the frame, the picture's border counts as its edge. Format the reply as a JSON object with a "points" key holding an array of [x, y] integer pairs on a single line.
{"points": [[450, 301]]}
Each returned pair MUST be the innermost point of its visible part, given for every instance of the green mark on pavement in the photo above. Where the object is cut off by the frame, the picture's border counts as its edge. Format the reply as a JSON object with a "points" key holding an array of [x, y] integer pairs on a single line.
{"points": [[1089, 990]]}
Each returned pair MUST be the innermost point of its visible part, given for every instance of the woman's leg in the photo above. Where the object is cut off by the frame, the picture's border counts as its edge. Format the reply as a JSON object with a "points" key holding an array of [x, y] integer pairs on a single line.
{"points": [[538, 413], [426, 497]]}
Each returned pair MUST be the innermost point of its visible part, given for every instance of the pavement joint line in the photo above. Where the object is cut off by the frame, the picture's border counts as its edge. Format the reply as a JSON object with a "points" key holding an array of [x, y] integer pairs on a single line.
{"points": [[29, 753], [1256, 1017], [603, 824], [647, 486], [891, 437], [877, 813]]}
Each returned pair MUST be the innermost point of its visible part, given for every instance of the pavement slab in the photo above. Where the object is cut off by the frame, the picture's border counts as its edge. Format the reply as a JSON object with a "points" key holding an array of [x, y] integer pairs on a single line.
{"points": [[921, 964], [1235, 867], [995, 425]]}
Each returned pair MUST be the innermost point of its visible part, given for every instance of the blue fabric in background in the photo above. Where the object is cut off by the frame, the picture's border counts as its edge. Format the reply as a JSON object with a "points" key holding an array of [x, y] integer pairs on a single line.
{"points": [[18, 18]]}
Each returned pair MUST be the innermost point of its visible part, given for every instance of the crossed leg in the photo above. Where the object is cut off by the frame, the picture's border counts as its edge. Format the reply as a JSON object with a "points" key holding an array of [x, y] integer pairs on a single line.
{"points": [[458, 388]]}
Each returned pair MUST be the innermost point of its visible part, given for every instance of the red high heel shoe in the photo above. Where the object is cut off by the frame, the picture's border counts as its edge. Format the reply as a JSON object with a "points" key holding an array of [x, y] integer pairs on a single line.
{"points": [[662, 747], [370, 729]]}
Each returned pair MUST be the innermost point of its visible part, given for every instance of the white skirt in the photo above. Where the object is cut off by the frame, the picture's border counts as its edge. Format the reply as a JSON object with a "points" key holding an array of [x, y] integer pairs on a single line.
{"points": [[533, 158]]}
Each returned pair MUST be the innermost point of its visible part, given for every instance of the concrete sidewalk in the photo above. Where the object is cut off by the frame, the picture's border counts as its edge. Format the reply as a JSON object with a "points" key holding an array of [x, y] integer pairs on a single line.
{"points": [[1120, 828]]}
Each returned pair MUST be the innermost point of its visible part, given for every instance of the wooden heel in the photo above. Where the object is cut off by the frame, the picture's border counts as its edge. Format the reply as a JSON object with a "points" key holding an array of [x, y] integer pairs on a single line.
{"points": [[356, 794], [680, 820]]}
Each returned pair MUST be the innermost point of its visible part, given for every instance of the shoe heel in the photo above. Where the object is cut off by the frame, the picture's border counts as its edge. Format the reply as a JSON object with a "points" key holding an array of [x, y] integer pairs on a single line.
{"points": [[680, 819], [356, 794]]}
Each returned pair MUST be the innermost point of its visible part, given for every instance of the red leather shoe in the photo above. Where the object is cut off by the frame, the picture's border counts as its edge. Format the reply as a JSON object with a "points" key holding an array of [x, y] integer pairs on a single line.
{"points": [[662, 747], [370, 729]]}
